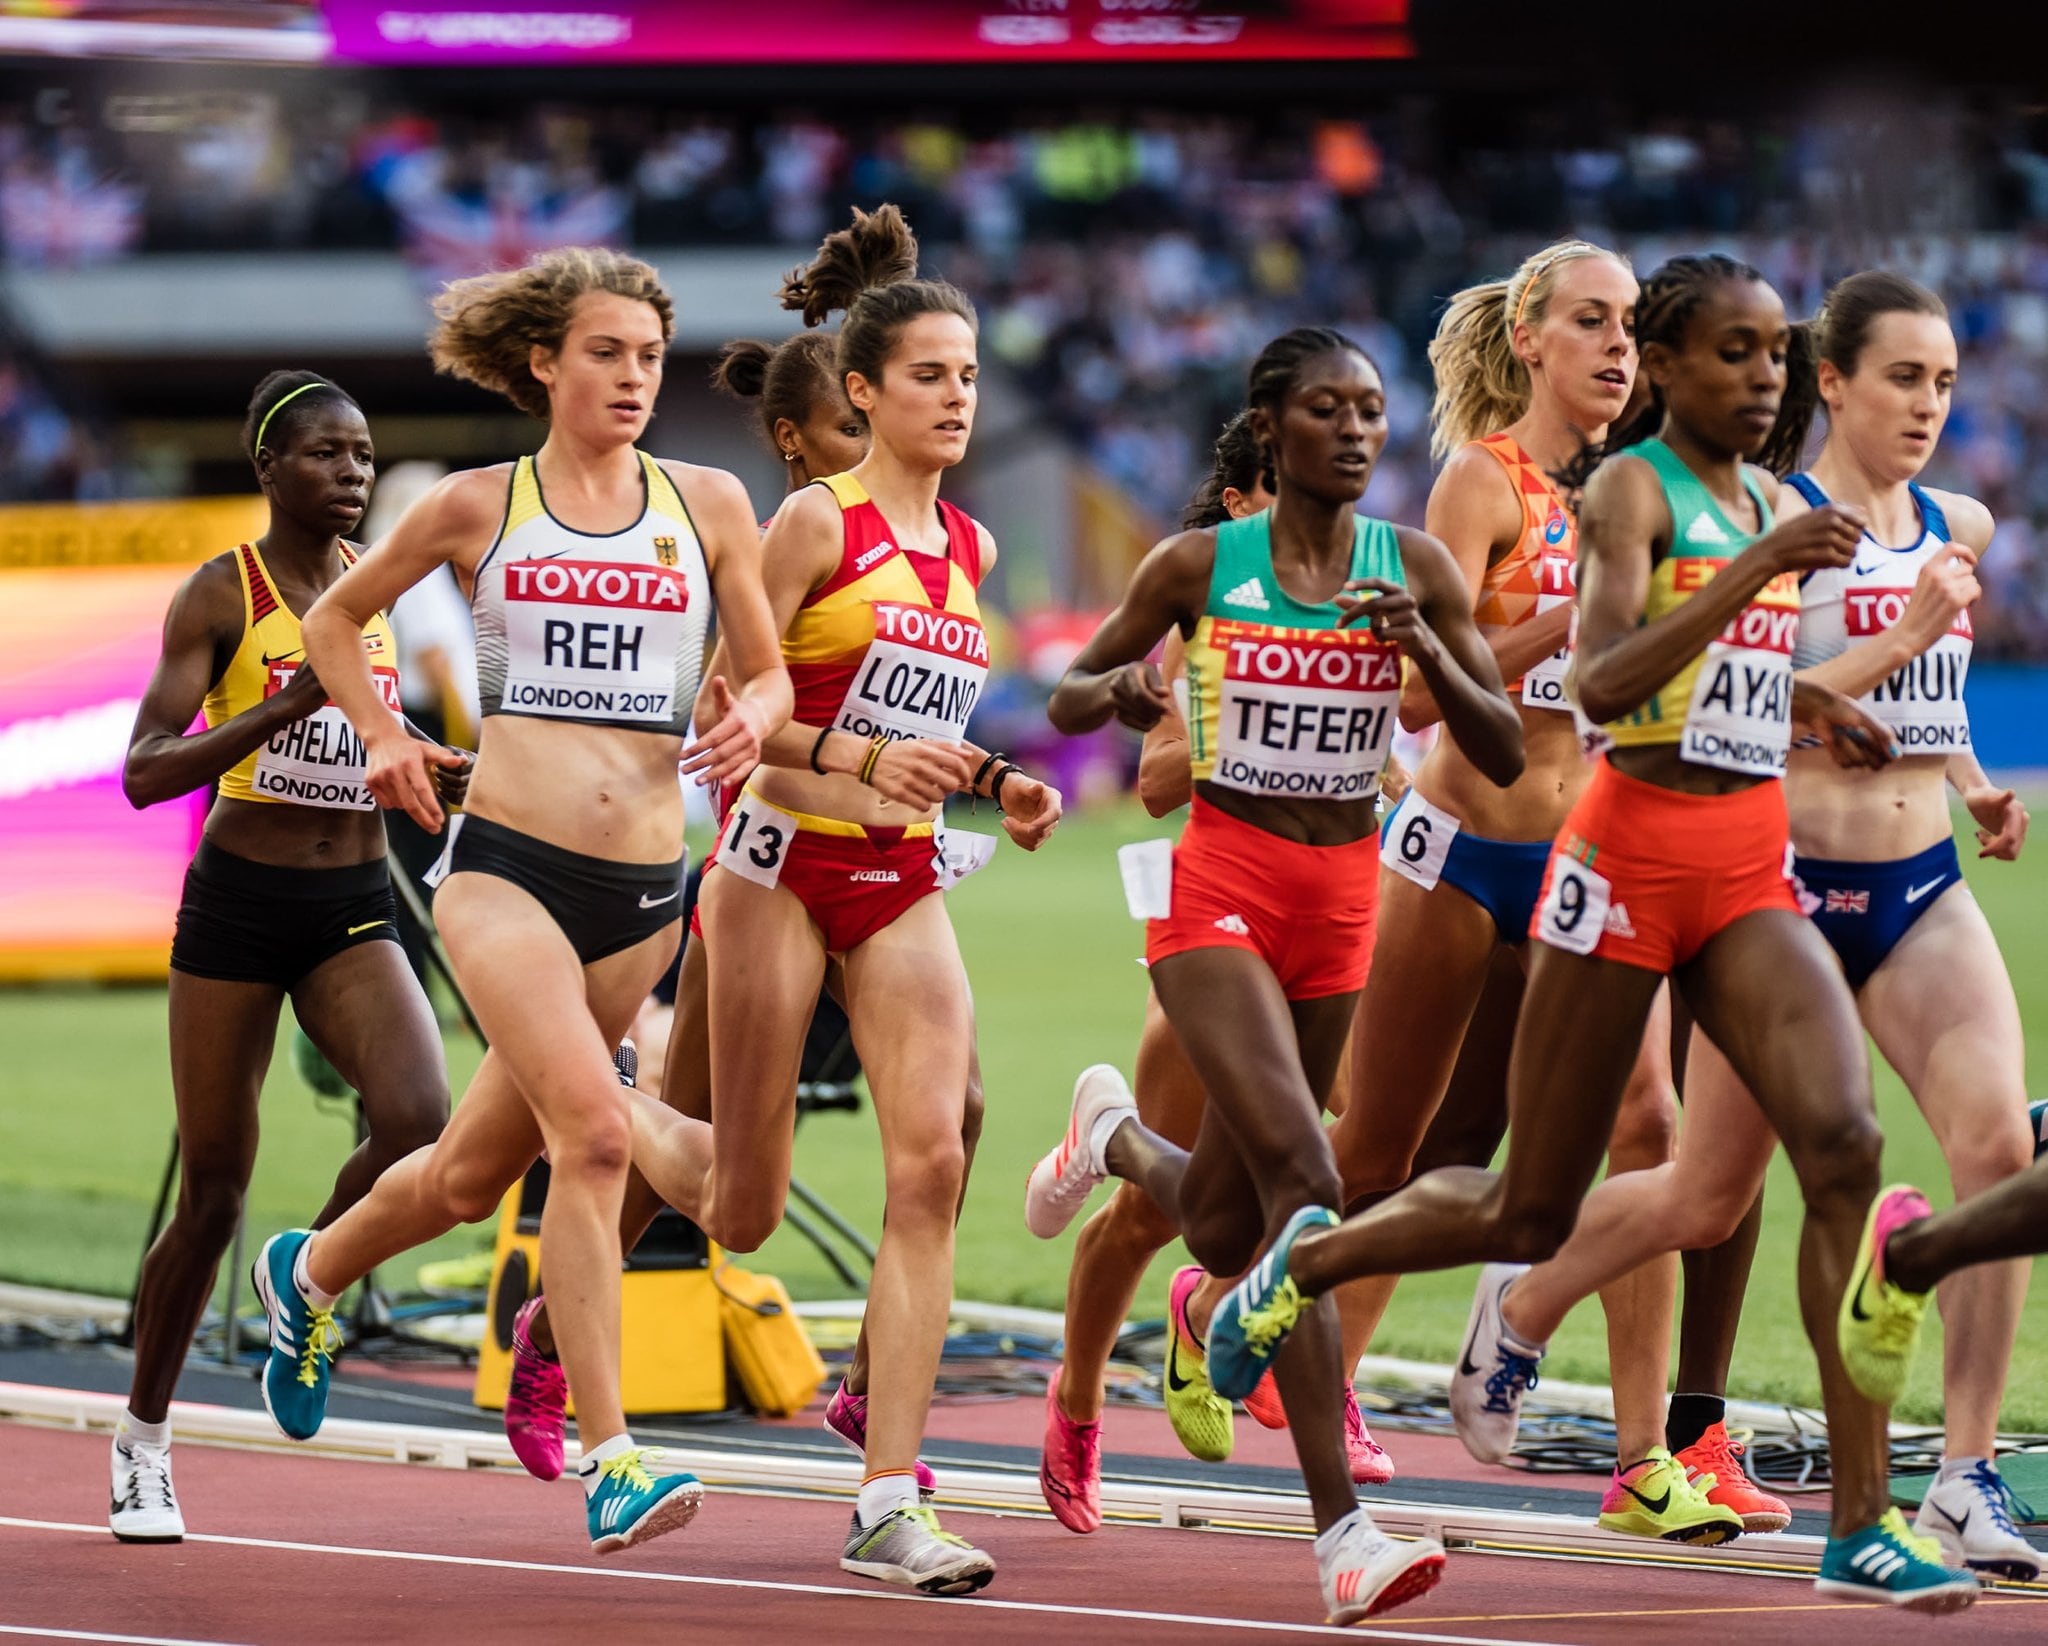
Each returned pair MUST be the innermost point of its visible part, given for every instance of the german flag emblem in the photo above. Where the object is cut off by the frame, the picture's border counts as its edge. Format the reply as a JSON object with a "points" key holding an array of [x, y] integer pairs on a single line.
{"points": [[665, 550]]}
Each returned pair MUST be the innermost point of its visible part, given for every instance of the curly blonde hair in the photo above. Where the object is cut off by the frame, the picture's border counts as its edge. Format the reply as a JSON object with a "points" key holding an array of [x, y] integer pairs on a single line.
{"points": [[489, 324], [1481, 384]]}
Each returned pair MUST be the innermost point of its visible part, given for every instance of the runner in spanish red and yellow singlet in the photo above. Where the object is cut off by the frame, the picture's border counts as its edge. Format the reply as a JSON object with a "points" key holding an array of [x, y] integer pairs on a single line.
{"points": [[288, 894], [1673, 862]]}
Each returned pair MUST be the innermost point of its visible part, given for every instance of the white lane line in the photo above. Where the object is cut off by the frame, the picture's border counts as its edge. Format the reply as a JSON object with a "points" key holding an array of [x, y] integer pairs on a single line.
{"points": [[120, 1640], [1184, 1619]]}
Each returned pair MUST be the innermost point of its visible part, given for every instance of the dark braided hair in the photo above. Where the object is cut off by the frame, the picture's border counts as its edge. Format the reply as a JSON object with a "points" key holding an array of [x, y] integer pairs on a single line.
{"points": [[1837, 335], [1664, 309], [1278, 368], [272, 390], [1240, 465]]}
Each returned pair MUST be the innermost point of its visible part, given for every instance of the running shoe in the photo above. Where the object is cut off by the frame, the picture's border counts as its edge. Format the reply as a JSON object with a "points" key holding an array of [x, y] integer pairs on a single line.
{"points": [[1061, 1182], [1878, 1324], [1253, 1321], [1370, 1464], [1494, 1371], [1366, 1572], [145, 1506], [537, 1404], [2037, 1116], [1970, 1516], [302, 1339], [846, 1415], [1199, 1416], [907, 1546], [1070, 1467], [631, 1505], [1263, 1403], [1657, 1498], [1887, 1563], [1714, 1464]]}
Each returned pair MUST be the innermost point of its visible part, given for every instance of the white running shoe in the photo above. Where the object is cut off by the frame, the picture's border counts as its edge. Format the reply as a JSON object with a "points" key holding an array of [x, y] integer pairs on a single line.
{"points": [[145, 1506], [1365, 1572], [1493, 1372], [908, 1547], [1060, 1183], [1970, 1516]]}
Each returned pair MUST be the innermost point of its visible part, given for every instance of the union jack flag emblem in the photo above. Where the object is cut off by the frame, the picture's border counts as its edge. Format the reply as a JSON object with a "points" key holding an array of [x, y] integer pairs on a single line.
{"points": [[1846, 902]]}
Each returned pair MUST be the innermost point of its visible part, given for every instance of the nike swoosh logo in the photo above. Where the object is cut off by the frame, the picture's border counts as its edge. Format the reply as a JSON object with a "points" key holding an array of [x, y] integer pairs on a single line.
{"points": [[1465, 1366], [366, 926], [1856, 1309], [1915, 893], [1174, 1380], [1655, 1508], [1951, 1519], [647, 902]]}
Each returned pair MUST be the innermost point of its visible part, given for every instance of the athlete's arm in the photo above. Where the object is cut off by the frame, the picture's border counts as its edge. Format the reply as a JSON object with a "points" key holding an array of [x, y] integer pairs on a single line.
{"points": [[452, 523], [1946, 587], [1473, 512], [729, 739], [1429, 617], [201, 632], [1621, 662], [1165, 780], [1111, 677]]}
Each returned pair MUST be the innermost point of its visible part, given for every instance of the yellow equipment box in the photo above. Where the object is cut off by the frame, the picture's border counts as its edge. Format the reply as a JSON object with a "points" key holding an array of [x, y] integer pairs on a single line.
{"points": [[778, 1368], [672, 1346]]}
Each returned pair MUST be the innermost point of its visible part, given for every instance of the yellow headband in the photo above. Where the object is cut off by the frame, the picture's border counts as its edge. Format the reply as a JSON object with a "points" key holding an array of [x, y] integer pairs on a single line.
{"points": [[1537, 274], [303, 388]]}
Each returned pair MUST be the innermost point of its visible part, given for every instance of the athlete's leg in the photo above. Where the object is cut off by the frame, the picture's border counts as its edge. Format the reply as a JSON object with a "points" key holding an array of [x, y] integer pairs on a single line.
{"points": [[913, 1024], [1768, 991], [368, 1016], [2007, 1221], [1581, 1025], [221, 1039], [1942, 1011]]}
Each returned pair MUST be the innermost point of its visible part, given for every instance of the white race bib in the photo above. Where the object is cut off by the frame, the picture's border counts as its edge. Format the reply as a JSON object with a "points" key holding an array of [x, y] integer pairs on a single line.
{"points": [[756, 840], [594, 640], [921, 677], [1307, 712], [962, 852], [318, 761], [1922, 701], [1573, 913], [1147, 870], [1417, 840], [1740, 716]]}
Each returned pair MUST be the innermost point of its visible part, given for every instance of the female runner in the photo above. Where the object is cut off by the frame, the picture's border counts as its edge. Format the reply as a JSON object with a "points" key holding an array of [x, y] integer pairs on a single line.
{"points": [[1673, 861], [1268, 939], [831, 851], [287, 894], [1877, 862], [591, 568]]}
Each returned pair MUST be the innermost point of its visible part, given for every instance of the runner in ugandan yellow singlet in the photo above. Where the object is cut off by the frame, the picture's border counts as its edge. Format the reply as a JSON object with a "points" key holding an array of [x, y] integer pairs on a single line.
{"points": [[287, 894]]}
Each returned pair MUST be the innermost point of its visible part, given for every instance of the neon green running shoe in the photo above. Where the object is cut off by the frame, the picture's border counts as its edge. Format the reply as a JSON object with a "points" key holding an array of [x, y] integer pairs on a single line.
{"points": [[1878, 1324], [1656, 1498], [1201, 1418]]}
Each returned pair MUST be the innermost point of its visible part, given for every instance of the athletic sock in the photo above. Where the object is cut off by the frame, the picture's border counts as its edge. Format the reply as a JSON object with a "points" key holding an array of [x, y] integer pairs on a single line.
{"points": [[590, 1472], [301, 1279], [134, 1432], [1954, 1468], [1104, 1129], [1327, 1540], [884, 1494], [1690, 1417]]}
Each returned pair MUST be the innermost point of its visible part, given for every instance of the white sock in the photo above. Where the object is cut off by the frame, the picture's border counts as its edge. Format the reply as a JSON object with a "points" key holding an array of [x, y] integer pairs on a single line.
{"points": [[134, 1432], [1104, 1129], [1326, 1541], [588, 1472], [884, 1494], [304, 1281], [1954, 1468]]}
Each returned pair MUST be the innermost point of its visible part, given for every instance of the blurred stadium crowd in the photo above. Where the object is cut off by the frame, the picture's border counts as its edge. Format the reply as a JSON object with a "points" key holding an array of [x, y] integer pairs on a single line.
{"points": [[1127, 263]]}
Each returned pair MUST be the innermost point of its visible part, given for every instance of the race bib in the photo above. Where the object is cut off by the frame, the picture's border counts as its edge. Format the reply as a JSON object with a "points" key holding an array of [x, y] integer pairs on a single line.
{"points": [[318, 761], [1305, 712], [1573, 913], [962, 852], [1147, 870], [1557, 584], [1417, 840], [921, 677], [1740, 716], [1922, 700], [756, 841], [594, 640]]}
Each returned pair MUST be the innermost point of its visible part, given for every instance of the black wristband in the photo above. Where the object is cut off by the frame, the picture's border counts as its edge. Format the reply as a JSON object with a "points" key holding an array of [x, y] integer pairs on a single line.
{"points": [[995, 789], [815, 747], [981, 771]]}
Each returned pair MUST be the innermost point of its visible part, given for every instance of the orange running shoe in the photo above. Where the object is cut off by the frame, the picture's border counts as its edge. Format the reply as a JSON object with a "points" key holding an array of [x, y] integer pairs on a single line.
{"points": [[1716, 1454], [1264, 1404]]}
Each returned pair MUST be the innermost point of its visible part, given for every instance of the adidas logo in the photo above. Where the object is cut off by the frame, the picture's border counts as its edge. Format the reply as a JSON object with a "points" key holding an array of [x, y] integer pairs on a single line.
{"points": [[1878, 1561], [1234, 924], [1251, 597], [1704, 530], [608, 1516], [1618, 924]]}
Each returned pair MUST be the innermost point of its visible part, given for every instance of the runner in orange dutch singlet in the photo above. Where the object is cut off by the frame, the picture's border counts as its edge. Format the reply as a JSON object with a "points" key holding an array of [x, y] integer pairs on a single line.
{"points": [[1673, 862], [836, 848]]}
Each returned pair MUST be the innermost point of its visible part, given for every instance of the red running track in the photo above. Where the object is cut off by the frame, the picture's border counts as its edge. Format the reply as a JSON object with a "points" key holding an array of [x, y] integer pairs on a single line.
{"points": [[295, 1549]]}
